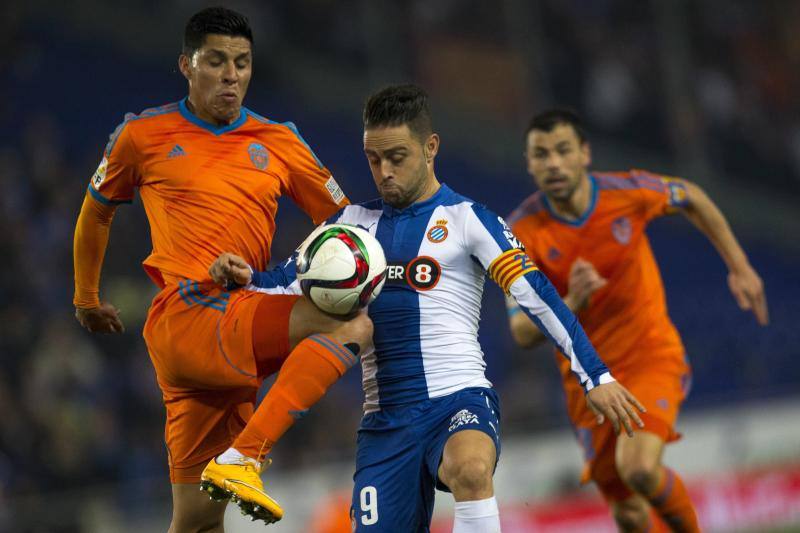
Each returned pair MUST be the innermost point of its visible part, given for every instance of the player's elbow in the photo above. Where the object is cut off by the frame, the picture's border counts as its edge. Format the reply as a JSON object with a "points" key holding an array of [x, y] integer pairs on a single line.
{"points": [[524, 333]]}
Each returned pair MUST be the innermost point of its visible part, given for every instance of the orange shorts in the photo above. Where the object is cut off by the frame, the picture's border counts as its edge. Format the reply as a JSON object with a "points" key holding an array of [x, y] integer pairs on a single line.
{"points": [[661, 388], [200, 340]]}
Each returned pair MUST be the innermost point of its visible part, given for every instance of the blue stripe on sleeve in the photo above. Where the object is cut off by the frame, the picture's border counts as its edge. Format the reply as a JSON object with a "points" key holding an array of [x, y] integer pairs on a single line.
{"points": [[103, 200], [585, 352]]}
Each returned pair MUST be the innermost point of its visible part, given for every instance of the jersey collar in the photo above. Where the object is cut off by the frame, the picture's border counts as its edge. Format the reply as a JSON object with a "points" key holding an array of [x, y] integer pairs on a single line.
{"points": [[417, 208], [213, 128], [586, 214]]}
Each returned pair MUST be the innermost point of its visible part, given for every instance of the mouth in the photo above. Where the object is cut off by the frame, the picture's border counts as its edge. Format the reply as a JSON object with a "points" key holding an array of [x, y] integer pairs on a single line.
{"points": [[229, 97]]}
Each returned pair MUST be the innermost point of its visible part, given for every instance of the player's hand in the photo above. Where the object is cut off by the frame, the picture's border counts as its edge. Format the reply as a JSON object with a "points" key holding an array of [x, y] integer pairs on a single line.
{"points": [[613, 401], [229, 268], [584, 280], [748, 289], [102, 319]]}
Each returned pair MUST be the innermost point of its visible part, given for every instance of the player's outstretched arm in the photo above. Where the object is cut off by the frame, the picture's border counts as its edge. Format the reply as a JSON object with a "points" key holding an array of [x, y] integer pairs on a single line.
{"points": [[584, 280], [744, 282], [89, 247]]}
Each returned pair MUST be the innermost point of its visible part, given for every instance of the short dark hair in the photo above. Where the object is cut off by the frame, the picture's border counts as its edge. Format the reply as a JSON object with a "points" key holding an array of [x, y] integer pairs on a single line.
{"points": [[397, 105], [548, 120], [216, 20]]}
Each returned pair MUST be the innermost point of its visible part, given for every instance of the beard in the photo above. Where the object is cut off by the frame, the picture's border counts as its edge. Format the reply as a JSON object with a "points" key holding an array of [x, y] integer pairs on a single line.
{"points": [[400, 198]]}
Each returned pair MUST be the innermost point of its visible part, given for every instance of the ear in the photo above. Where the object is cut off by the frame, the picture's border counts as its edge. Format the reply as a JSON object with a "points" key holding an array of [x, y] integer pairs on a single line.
{"points": [[431, 147], [587, 153], [185, 66]]}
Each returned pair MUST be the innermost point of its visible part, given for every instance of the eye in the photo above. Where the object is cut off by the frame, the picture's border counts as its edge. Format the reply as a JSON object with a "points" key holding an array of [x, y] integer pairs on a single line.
{"points": [[539, 154], [564, 150], [397, 159]]}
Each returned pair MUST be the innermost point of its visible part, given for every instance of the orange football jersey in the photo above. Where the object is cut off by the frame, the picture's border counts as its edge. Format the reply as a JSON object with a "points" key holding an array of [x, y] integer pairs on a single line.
{"points": [[627, 319], [210, 189]]}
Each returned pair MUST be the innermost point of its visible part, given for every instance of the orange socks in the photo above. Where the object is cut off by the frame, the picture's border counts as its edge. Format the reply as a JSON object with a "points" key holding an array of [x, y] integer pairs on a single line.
{"points": [[671, 500], [313, 366]]}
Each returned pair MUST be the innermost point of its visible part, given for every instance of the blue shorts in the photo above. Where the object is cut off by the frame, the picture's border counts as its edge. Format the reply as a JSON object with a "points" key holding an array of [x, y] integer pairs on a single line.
{"points": [[399, 451]]}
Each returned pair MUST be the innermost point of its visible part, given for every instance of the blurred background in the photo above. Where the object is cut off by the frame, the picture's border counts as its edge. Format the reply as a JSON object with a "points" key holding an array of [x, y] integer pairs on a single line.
{"points": [[704, 89]]}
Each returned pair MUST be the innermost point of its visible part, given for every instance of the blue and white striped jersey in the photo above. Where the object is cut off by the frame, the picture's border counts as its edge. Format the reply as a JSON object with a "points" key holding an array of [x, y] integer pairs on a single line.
{"points": [[426, 318]]}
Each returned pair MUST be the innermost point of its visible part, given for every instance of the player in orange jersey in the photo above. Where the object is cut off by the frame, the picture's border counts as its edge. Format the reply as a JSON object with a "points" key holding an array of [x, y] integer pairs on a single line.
{"points": [[585, 231], [210, 172]]}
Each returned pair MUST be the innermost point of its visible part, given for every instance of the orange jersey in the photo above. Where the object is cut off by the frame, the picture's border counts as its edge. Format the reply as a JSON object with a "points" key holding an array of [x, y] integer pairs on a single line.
{"points": [[210, 189], [626, 320]]}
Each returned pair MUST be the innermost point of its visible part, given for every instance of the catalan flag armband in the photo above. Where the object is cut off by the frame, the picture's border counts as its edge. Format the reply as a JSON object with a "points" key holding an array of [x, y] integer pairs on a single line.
{"points": [[509, 266]]}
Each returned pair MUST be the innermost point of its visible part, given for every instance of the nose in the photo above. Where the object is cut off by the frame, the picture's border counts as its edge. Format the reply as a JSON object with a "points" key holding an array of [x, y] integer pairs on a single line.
{"points": [[386, 168], [230, 74], [553, 161]]}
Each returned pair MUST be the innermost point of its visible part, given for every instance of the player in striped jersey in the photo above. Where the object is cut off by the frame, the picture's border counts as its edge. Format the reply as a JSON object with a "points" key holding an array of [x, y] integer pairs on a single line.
{"points": [[431, 418], [586, 231]]}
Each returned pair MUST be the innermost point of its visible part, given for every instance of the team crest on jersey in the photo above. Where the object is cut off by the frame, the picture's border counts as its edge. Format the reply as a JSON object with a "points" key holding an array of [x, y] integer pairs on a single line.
{"points": [[621, 229], [438, 233], [462, 418], [100, 173], [258, 155], [553, 254]]}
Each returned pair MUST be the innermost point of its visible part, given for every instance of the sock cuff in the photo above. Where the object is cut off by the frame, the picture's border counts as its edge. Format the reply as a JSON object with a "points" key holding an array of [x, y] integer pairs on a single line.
{"points": [[333, 351], [477, 508]]}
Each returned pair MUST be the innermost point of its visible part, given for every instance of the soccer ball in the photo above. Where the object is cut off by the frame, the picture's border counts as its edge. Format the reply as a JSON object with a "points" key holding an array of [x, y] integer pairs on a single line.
{"points": [[341, 268]]}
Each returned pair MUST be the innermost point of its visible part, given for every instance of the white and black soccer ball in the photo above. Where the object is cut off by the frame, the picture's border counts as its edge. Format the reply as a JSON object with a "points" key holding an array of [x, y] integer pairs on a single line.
{"points": [[341, 268]]}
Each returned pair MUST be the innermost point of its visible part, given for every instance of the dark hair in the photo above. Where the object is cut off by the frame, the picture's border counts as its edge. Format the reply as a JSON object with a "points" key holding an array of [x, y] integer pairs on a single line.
{"points": [[397, 105], [548, 120], [216, 20]]}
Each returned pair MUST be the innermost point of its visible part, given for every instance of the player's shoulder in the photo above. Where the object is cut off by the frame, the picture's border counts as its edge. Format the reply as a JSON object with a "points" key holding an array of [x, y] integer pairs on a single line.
{"points": [[142, 119], [532, 206], [286, 129], [629, 180]]}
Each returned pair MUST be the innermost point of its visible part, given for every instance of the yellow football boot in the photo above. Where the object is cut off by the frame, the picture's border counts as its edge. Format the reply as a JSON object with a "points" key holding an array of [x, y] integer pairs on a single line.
{"points": [[242, 484]]}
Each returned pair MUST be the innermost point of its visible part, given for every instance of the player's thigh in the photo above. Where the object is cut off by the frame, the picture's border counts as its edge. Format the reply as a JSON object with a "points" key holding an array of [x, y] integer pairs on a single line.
{"points": [[391, 492], [193, 510], [468, 462], [307, 320], [640, 453], [392, 497], [202, 424], [200, 337], [475, 412]]}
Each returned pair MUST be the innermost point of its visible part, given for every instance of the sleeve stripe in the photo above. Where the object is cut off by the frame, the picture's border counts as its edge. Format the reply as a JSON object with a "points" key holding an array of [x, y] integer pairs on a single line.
{"points": [[103, 200]]}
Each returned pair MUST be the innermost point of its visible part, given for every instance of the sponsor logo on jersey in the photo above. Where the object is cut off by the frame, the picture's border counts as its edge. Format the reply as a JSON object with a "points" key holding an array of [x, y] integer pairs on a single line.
{"points": [[462, 418], [334, 190], [512, 240], [258, 155], [677, 193], [100, 173], [621, 230], [438, 233], [177, 151], [421, 273]]}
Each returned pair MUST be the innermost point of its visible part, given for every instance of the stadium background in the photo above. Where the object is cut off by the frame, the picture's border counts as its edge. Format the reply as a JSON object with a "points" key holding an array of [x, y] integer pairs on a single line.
{"points": [[705, 89]]}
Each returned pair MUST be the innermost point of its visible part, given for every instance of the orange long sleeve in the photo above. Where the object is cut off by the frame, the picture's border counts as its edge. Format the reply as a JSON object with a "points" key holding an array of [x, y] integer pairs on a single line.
{"points": [[89, 248]]}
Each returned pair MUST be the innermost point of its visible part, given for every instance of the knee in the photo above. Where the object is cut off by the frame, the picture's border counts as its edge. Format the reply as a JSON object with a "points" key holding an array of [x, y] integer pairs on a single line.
{"points": [[357, 330], [631, 518], [640, 478], [470, 475]]}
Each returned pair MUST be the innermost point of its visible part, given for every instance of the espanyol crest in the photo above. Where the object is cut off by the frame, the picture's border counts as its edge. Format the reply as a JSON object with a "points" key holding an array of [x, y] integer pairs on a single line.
{"points": [[621, 229], [258, 155]]}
